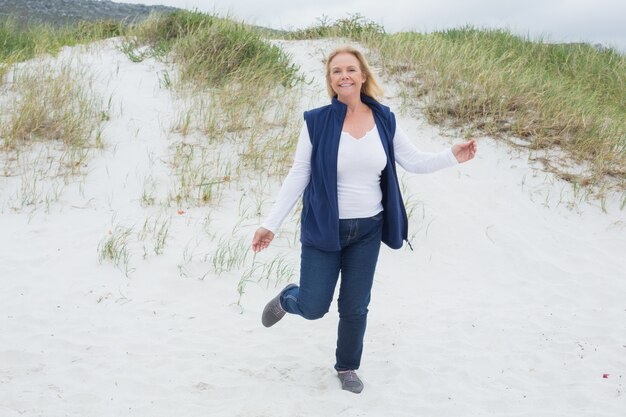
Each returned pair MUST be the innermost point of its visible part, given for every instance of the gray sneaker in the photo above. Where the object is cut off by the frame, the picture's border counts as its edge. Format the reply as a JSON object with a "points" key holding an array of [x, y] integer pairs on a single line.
{"points": [[350, 381], [273, 311]]}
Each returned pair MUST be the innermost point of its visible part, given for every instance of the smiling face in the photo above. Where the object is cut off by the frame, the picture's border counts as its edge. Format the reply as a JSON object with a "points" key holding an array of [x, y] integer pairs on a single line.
{"points": [[345, 76]]}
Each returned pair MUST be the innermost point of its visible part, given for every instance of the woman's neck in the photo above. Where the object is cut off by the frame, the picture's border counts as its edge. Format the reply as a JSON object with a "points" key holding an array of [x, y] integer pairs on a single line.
{"points": [[355, 105]]}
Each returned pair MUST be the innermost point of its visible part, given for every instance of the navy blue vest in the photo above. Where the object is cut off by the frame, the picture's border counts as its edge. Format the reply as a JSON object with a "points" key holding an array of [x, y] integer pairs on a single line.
{"points": [[320, 209]]}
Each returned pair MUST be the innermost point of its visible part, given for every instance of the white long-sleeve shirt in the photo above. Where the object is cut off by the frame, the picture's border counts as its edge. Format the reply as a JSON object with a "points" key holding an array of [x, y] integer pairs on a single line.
{"points": [[360, 163]]}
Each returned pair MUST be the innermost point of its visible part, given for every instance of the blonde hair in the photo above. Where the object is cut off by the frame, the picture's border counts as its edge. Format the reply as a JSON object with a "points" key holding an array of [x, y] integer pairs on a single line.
{"points": [[370, 87]]}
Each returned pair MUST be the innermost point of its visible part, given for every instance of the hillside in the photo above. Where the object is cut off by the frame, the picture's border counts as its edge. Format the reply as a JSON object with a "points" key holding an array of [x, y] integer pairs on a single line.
{"points": [[58, 12]]}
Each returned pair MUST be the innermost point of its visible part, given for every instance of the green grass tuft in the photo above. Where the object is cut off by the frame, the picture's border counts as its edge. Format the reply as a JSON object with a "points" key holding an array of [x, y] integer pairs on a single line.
{"points": [[212, 51], [355, 27], [20, 43]]}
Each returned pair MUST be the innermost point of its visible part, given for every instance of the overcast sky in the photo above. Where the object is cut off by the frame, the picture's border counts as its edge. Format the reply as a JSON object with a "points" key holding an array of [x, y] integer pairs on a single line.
{"points": [[595, 21]]}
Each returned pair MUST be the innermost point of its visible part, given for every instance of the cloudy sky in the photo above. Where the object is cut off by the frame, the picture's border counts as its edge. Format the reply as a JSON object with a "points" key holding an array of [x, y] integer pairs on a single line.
{"points": [[597, 21]]}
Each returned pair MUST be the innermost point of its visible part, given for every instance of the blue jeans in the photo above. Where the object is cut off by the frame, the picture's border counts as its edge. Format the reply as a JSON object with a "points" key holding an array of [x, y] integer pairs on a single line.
{"points": [[319, 271]]}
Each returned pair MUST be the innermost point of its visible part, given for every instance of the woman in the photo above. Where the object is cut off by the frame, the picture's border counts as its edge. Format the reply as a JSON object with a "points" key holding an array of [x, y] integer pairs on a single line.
{"points": [[345, 169]]}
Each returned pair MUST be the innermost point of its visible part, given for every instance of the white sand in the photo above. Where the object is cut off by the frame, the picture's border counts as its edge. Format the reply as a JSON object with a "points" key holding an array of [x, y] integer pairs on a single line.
{"points": [[512, 304]]}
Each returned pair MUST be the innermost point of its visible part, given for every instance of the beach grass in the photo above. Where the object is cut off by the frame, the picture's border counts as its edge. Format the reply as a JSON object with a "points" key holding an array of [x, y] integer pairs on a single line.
{"points": [[566, 101], [51, 116], [355, 26], [51, 120], [19, 42], [51, 104], [212, 51], [114, 248]]}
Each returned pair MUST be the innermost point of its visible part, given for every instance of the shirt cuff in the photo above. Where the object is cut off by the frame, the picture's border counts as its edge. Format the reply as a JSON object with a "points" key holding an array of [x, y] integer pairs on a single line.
{"points": [[451, 158], [271, 228]]}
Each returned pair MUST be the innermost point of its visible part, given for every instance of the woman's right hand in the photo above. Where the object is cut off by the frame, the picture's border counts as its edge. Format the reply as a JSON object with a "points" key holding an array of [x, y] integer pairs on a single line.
{"points": [[261, 240]]}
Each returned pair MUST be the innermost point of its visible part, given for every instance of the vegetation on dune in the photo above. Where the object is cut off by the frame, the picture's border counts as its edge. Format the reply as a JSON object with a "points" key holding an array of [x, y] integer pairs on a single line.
{"points": [[355, 26], [545, 97], [48, 103], [51, 111], [212, 51], [19, 43], [51, 105]]}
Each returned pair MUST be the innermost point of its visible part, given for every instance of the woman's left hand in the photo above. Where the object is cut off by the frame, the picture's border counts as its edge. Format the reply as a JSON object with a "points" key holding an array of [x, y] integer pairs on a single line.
{"points": [[463, 152]]}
